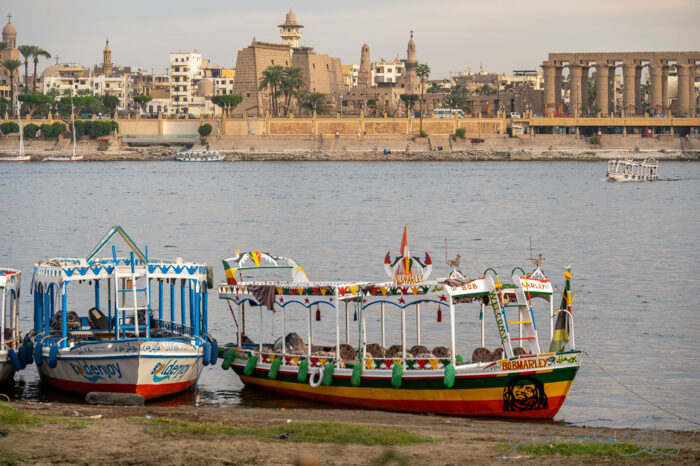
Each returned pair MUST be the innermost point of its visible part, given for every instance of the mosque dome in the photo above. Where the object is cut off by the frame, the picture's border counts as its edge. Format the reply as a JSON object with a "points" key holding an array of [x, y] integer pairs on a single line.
{"points": [[205, 88], [9, 31], [291, 18], [51, 71]]}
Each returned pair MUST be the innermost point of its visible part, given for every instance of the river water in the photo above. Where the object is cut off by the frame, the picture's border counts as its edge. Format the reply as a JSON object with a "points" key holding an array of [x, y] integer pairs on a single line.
{"points": [[633, 247]]}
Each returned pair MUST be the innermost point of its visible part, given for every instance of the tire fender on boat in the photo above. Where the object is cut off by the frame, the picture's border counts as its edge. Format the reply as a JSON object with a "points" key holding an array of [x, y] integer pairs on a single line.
{"points": [[53, 356], [250, 367], [29, 352], [22, 356], [37, 354], [356, 378], [14, 359], [316, 377], [229, 356], [214, 351], [303, 370], [207, 353], [274, 369], [449, 379], [396, 374], [328, 374]]}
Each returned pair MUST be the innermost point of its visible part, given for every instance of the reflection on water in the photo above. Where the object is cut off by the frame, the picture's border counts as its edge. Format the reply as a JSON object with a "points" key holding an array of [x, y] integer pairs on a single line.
{"points": [[633, 245]]}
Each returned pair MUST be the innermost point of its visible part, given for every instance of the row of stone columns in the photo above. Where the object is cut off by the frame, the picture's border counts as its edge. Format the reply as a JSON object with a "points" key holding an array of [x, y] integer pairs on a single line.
{"points": [[605, 87]]}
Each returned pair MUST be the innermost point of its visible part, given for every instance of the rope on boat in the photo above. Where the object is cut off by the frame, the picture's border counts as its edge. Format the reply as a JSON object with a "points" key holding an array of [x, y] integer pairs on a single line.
{"points": [[637, 394]]}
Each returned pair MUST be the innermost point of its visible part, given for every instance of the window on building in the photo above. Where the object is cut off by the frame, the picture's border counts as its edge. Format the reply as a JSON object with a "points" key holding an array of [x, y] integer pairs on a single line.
{"points": [[272, 61]]}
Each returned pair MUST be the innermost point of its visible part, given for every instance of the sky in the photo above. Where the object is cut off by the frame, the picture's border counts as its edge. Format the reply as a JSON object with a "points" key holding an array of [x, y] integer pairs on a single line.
{"points": [[451, 36]]}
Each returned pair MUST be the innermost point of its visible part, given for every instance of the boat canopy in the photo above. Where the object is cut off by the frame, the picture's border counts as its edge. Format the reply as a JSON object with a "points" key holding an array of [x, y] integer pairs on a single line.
{"points": [[255, 260], [65, 269], [9, 279]]}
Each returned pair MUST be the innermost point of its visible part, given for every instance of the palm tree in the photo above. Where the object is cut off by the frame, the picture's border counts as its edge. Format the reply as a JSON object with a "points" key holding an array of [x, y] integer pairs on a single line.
{"points": [[27, 51], [316, 102], [12, 66], [3, 46], [422, 71], [38, 52], [292, 81], [272, 80]]}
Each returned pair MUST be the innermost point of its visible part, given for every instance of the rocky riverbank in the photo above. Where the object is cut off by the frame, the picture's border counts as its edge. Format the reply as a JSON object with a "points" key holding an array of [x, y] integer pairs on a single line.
{"points": [[67, 433]]}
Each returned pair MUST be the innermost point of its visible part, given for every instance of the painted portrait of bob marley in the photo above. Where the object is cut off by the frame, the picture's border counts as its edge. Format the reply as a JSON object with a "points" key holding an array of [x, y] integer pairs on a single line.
{"points": [[523, 394]]}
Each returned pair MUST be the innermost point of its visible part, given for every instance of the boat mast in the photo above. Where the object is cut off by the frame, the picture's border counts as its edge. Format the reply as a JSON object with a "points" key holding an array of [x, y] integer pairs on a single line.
{"points": [[21, 134], [72, 120]]}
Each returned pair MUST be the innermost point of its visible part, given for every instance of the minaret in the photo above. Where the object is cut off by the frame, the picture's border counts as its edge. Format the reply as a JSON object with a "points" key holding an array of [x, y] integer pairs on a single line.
{"points": [[107, 64], [410, 78], [364, 76], [290, 31]]}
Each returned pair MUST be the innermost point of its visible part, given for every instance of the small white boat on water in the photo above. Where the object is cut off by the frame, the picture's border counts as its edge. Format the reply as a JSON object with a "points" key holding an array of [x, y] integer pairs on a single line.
{"points": [[12, 354], [126, 343], [21, 156], [199, 156], [75, 157], [632, 170]]}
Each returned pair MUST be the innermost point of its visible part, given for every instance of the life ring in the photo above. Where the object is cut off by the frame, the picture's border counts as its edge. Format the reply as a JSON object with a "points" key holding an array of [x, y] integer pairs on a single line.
{"points": [[316, 377]]}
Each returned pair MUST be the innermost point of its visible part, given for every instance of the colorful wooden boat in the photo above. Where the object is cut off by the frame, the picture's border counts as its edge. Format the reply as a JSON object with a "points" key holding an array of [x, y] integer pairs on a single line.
{"points": [[519, 379], [11, 358], [136, 346]]}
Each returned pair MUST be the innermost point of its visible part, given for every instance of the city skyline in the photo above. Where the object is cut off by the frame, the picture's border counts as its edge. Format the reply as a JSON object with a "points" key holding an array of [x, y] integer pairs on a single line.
{"points": [[450, 39]]}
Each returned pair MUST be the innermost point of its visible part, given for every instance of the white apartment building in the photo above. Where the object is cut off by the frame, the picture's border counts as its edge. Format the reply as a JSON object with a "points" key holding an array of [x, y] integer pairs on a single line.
{"points": [[186, 70], [387, 71], [75, 79]]}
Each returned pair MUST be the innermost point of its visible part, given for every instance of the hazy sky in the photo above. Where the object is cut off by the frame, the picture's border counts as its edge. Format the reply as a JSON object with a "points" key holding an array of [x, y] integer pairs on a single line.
{"points": [[450, 35]]}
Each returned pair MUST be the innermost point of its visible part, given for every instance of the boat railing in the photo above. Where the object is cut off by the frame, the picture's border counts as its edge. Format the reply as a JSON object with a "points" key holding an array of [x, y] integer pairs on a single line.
{"points": [[174, 327]]}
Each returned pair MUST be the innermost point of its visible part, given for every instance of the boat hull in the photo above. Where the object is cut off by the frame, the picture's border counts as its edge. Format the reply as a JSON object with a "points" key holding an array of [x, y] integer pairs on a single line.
{"points": [[151, 368], [25, 158], [6, 369], [64, 159], [477, 391]]}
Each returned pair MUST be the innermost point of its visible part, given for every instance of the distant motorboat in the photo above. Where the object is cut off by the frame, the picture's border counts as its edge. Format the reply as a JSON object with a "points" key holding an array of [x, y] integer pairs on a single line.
{"points": [[199, 156], [631, 170]]}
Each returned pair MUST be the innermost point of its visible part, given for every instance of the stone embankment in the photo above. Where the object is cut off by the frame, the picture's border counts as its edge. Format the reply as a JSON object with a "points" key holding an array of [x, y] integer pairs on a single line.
{"points": [[379, 149]]}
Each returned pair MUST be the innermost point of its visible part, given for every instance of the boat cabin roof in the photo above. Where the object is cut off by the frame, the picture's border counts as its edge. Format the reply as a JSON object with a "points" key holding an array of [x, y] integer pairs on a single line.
{"points": [[9, 278]]}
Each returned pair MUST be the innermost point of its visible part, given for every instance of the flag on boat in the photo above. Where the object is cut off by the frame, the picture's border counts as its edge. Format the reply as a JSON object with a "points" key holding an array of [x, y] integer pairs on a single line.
{"points": [[561, 327], [406, 262]]}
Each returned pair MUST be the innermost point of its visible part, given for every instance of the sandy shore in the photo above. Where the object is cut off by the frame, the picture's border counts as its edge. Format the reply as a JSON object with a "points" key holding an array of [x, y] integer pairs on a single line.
{"points": [[82, 434]]}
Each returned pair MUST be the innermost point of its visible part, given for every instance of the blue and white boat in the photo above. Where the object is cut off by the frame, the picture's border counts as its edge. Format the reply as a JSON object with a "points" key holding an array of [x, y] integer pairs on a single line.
{"points": [[130, 342]]}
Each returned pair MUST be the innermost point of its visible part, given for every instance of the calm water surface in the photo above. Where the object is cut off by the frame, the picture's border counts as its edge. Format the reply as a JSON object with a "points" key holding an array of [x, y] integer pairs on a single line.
{"points": [[634, 247]]}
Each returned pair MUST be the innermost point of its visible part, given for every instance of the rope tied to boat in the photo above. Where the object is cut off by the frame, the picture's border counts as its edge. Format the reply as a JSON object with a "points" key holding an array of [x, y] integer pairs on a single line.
{"points": [[637, 394]]}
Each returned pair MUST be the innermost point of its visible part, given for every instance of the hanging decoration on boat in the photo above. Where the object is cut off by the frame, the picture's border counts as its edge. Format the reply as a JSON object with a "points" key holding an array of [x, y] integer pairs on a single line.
{"points": [[439, 314], [261, 260], [406, 269]]}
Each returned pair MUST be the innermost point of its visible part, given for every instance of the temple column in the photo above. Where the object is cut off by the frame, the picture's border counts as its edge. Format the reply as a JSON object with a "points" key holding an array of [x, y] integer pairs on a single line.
{"points": [[584, 89], [637, 89], [602, 75], [557, 84], [612, 102], [691, 89], [548, 73], [683, 88], [629, 72], [664, 88], [655, 97], [574, 89]]}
